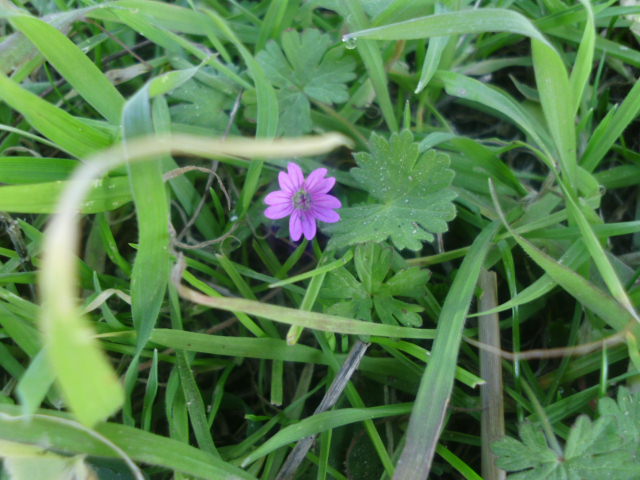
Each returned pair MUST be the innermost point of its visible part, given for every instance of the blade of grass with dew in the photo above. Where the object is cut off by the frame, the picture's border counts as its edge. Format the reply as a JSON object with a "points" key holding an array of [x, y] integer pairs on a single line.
{"points": [[105, 195], [427, 416], [372, 59], [81, 73], [453, 23], [150, 273], [114, 441], [69, 133]]}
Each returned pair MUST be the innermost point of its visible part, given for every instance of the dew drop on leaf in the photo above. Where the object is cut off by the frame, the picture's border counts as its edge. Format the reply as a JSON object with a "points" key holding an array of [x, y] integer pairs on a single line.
{"points": [[350, 43]]}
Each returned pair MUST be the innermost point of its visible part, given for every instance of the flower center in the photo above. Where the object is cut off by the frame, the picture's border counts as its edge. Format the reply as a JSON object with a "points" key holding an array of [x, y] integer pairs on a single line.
{"points": [[302, 200]]}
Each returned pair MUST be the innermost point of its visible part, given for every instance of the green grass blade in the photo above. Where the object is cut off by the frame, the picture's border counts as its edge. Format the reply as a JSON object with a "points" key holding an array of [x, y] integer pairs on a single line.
{"points": [[430, 406], [599, 256], [372, 59], [584, 59], [68, 132], [610, 128], [35, 383], [105, 195], [195, 405], [300, 318], [321, 423], [431, 61], [35, 169], [150, 273], [579, 287], [470, 89], [73, 65], [556, 97], [453, 23], [140, 446]]}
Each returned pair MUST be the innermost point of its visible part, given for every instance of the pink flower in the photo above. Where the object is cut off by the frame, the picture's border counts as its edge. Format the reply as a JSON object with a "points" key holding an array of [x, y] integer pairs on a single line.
{"points": [[306, 200]]}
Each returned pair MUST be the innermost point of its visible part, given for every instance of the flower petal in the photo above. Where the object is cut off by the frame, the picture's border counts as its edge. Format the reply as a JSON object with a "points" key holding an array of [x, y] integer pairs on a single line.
{"points": [[325, 215], [324, 185], [277, 197], [325, 201], [296, 177], [295, 226], [314, 179], [285, 182], [281, 210], [308, 225]]}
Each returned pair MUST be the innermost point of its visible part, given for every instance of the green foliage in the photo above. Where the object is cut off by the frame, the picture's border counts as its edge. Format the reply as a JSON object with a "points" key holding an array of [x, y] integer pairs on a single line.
{"points": [[373, 289], [608, 447], [304, 70], [410, 192], [539, 97]]}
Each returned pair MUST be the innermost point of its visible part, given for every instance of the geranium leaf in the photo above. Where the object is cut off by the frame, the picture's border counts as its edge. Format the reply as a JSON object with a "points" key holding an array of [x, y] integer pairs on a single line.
{"points": [[605, 448], [305, 69], [412, 198]]}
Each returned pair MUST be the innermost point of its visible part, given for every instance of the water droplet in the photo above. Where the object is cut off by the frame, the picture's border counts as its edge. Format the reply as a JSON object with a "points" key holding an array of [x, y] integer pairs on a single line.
{"points": [[349, 42]]}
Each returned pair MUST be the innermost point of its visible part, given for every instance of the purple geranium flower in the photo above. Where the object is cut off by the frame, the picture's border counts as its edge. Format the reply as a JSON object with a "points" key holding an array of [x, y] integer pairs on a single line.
{"points": [[305, 200]]}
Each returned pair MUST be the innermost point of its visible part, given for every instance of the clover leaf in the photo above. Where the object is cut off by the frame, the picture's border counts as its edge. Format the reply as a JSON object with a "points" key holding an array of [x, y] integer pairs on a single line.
{"points": [[411, 195], [375, 287], [608, 447], [304, 69]]}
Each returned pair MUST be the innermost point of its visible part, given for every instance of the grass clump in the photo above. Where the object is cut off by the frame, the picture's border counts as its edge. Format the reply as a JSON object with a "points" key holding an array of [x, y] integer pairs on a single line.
{"points": [[479, 286]]}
